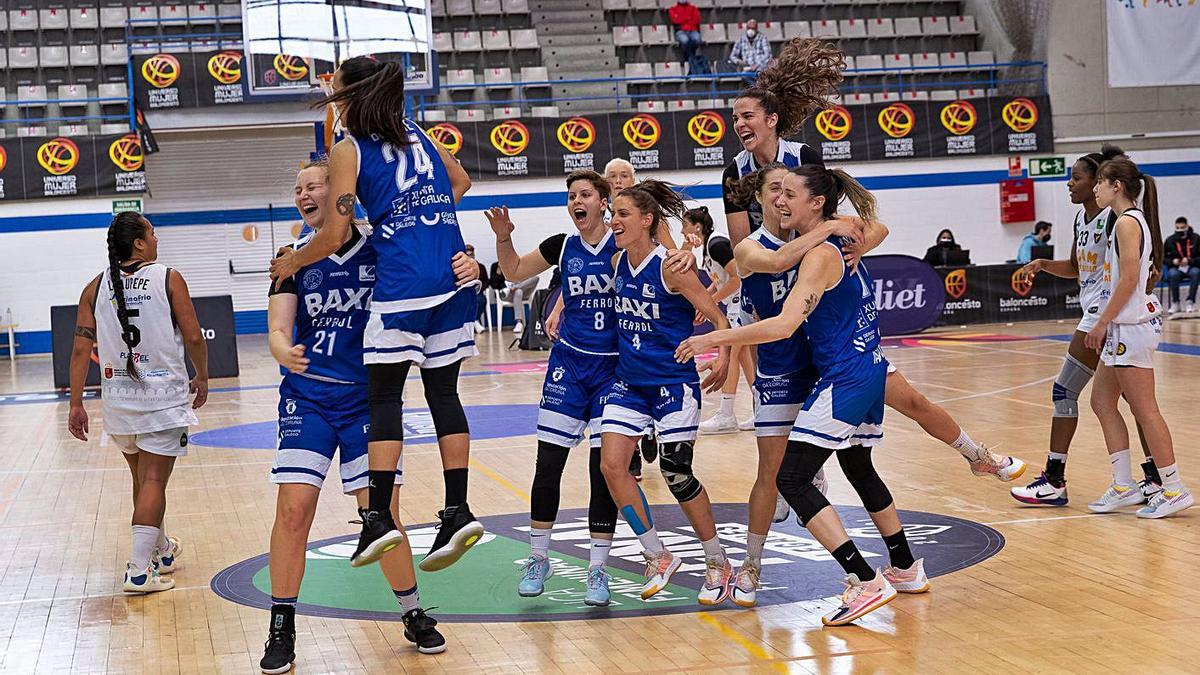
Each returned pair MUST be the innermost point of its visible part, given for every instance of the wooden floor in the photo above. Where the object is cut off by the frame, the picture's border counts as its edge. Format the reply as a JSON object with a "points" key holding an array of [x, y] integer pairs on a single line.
{"points": [[1069, 592]]}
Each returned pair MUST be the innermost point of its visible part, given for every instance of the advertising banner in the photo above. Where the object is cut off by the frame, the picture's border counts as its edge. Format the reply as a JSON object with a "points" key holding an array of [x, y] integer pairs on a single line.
{"points": [[908, 293], [75, 166], [165, 81], [997, 294]]}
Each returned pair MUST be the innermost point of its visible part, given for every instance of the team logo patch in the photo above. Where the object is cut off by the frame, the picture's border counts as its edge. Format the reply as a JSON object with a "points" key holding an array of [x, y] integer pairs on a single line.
{"points": [[366, 273], [183, 440], [577, 134], [958, 117], [956, 284], [448, 136], [619, 282], [575, 265], [1120, 349], [290, 68], [108, 371], [313, 278], [642, 131], [833, 123], [290, 406], [558, 373], [126, 152], [897, 120], [226, 67], [1096, 238], [1020, 114], [1021, 285], [161, 70], [796, 568], [647, 291], [58, 156], [510, 138], [706, 128]]}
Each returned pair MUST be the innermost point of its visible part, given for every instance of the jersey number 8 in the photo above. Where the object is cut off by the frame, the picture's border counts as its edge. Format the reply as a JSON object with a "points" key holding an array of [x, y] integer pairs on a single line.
{"points": [[422, 164]]}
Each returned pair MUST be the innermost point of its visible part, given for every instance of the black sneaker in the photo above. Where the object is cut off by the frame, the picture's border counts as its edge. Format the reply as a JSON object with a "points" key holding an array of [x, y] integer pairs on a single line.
{"points": [[457, 533], [280, 648], [419, 630], [379, 535], [635, 466], [649, 446]]}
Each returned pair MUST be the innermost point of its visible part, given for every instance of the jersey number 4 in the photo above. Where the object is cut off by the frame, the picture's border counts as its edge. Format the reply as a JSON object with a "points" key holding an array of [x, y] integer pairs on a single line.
{"points": [[422, 165]]}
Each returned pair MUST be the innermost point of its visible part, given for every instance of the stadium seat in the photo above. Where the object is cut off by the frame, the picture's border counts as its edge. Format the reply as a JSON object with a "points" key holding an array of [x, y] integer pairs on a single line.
{"points": [[112, 90], [506, 113], [470, 115], [868, 62], [681, 104], [615, 6], [713, 33], [143, 13], [443, 42], [73, 130], [897, 62], [230, 10], [488, 7], [467, 41], [772, 29], [459, 8], [53, 57], [497, 76], [914, 96], [710, 103], [176, 13], [113, 17], [626, 36], [69, 95], [935, 25], [114, 54], [952, 60], [856, 99], [544, 111], [824, 29], [495, 41], [525, 38], [885, 97], [433, 116], [943, 95], [651, 107], [3, 20], [535, 74], [54, 19], [22, 57], [668, 69], [925, 60], [437, 8], [31, 132], [852, 28], [31, 96], [796, 29], [657, 35], [851, 63], [962, 25], [983, 58], [643, 4], [515, 6], [639, 71], [460, 76], [22, 19], [202, 13], [84, 55], [972, 93], [84, 17], [881, 28], [114, 128], [3, 64], [908, 27]]}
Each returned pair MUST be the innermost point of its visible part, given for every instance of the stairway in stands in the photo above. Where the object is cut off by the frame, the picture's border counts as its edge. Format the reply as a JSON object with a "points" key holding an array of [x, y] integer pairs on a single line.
{"points": [[577, 44]]}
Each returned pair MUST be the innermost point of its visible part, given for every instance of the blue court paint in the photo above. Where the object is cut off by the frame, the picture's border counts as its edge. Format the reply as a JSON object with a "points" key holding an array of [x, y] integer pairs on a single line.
{"points": [[1167, 347], [487, 421]]}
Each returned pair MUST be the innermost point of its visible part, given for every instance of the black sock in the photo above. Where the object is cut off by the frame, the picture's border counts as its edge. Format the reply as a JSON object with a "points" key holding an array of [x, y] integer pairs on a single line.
{"points": [[1056, 471], [1151, 471], [898, 551], [456, 486], [379, 494], [283, 618], [852, 561]]}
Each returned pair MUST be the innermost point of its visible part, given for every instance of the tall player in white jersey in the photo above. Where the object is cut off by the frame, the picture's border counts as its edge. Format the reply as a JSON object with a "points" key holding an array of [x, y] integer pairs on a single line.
{"points": [[139, 315], [1089, 257], [1127, 335]]}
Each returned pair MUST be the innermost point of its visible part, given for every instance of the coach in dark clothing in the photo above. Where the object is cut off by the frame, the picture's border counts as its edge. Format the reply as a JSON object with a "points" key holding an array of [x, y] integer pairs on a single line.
{"points": [[1179, 252], [937, 254]]}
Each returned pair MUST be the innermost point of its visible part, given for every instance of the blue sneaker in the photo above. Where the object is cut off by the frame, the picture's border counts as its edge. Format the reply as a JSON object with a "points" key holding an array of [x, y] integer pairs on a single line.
{"points": [[534, 574], [597, 587]]}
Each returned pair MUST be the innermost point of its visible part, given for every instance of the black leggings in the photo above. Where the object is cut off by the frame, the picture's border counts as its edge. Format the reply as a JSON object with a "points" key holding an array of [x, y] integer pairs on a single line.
{"points": [[547, 489], [385, 395], [802, 462]]}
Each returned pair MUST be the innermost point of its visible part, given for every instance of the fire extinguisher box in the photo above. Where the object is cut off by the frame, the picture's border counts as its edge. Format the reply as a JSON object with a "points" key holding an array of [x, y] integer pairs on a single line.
{"points": [[1016, 201]]}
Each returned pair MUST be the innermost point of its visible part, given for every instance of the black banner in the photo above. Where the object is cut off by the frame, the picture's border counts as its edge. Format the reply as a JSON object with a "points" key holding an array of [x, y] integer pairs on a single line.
{"points": [[704, 140], [220, 79], [165, 81], [1018, 128], [997, 294], [214, 313], [77, 166], [580, 142], [900, 130], [12, 179], [839, 133], [962, 128]]}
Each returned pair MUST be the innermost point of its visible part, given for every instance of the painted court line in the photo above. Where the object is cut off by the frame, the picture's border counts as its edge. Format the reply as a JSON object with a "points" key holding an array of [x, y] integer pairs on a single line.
{"points": [[1047, 519], [742, 641]]}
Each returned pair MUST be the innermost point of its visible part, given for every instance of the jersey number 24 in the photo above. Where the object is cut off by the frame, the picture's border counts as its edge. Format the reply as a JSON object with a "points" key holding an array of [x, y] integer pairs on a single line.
{"points": [[422, 164]]}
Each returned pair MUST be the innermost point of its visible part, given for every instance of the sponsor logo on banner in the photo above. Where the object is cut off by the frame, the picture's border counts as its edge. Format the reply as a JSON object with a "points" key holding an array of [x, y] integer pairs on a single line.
{"points": [[1021, 115], [897, 120], [577, 135], [707, 129], [3, 163], [956, 283], [290, 68], [226, 68], [126, 154], [510, 138], [643, 131], [161, 71], [59, 157], [908, 295], [1021, 283], [1022, 287], [448, 136], [834, 124], [959, 118]]}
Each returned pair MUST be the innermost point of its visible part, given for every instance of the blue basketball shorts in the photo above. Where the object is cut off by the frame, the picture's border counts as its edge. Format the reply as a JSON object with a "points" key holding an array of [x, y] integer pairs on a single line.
{"points": [[431, 338], [573, 396], [672, 409]]}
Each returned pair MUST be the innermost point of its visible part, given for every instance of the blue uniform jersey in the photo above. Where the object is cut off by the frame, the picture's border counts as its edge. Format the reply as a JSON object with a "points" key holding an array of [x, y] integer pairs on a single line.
{"points": [[587, 284], [791, 154], [408, 199], [651, 322], [334, 297], [763, 295], [844, 325]]}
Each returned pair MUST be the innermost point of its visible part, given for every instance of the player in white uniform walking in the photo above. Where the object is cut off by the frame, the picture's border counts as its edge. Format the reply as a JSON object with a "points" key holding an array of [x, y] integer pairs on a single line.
{"points": [[139, 315], [1127, 335]]}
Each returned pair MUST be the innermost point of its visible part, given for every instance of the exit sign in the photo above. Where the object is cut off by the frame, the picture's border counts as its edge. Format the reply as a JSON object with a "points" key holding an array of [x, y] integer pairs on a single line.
{"points": [[1048, 167], [119, 205]]}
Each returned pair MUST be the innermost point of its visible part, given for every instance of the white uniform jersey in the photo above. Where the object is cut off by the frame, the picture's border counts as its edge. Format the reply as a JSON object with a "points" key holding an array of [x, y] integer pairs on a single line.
{"points": [[1141, 306], [1091, 250], [159, 399]]}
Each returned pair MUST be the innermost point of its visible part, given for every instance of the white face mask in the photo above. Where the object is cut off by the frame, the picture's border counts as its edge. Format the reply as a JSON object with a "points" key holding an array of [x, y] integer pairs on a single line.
{"points": [[751, 33]]}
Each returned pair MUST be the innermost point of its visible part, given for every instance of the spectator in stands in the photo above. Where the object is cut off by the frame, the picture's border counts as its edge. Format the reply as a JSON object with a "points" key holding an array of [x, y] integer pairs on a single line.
{"points": [[686, 18], [481, 291], [1039, 237], [1180, 251], [752, 51], [938, 254]]}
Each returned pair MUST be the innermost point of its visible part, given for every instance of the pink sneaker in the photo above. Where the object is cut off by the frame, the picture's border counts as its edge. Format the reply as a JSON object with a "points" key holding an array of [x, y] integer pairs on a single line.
{"points": [[659, 568], [717, 579], [860, 599], [1003, 467], [911, 580]]}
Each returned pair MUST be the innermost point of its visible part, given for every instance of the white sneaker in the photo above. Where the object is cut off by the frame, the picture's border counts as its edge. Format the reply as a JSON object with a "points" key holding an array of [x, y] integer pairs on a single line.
{"points": [[745, 584], [479, 327], [166, 560], [1166, 503], [1116, 497], [659, 568], [1173, 308], [911, 580], [987, 463], [746, 425], [1189, 308], [781, 509], [145, 581], [519, 328], [719, 424], [717, 577], [860, 598]]}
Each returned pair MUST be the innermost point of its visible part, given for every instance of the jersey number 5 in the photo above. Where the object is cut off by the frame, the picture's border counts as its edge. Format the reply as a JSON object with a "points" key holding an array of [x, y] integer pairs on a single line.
{"points": [[422, 164], [132, 335]]}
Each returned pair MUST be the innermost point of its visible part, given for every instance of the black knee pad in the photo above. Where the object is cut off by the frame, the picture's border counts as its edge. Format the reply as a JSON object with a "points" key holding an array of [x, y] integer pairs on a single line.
{"points": [[675, 462], [795, 479], [441, 393], [602, 510], [856, 464], [385, 396], [547, 481]]}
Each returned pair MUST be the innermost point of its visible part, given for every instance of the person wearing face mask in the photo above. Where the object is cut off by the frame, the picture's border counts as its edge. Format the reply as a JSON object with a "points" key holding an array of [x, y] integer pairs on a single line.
{"points": [[1180, 251], [937, 255], [1039, 237], [752, 52]]}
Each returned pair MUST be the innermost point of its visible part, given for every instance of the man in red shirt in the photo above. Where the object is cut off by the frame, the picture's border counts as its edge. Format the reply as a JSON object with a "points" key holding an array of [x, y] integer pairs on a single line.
{"points": [[686, 18]]}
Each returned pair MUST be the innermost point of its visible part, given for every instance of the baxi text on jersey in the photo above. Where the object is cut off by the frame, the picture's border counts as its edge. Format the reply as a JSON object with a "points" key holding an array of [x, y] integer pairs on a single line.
{"points": [[589, 285], [337, 300]]}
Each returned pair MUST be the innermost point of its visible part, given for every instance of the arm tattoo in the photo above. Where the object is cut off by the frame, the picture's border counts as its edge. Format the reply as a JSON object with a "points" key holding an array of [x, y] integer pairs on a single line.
{"points": [[345, 205], [85, 332], [810, 303]]}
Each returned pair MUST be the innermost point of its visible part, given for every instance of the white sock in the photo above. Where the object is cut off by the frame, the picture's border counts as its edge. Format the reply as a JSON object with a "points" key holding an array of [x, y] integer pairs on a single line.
{"points": [[727, 404], [539, 541], [712, 549], [650, 541], [1060, 456], [409, 599], [754, 545], [1170, 477], [1122, 469], [145, 538], [598, 553], [966, 445]]}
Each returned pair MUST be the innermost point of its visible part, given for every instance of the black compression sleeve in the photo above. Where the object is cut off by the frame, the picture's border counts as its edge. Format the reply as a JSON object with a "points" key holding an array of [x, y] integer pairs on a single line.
{"points": [[551, 248]]}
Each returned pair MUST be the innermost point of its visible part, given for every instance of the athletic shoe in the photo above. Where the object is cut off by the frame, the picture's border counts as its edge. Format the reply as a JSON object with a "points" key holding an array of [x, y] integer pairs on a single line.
{"points": [[745, 584], [597, 587], [279, 651], [1173, 308], [1166, 503], [1041, 492], [479, 327], [534, 574], [649, 446], [635, 466], [860, 598], [1149, 488], [1116, 497], [1189, 308], [716, 582], [457, 533], [164, 561], [659, 568], [145, 581], [518, 327], [911, 580], [719, 424], [988, 463], [379, 535], [781, 509], [746, 424], [419, 630]]}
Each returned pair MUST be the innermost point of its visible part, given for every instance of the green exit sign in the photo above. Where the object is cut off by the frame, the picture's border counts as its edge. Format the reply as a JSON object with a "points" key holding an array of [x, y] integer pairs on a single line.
{"points": [[119, 205], [1048, 167]]}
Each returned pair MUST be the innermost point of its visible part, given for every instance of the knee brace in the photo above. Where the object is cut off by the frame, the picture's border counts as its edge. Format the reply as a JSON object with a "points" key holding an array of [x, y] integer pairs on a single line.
{"points": [[856, 464], [441, 392], [547, 481], [385, 397], [795, 479], [675, 462], [1071, 380], [602, 510]]}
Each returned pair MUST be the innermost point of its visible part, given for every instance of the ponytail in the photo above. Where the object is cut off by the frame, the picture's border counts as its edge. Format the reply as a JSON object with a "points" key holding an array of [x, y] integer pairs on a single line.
{"points": [[1150, 208], [798, 82], [835, 185], [701, 217], [373, 96], [858, 196], [126, 227], [658, 198]]}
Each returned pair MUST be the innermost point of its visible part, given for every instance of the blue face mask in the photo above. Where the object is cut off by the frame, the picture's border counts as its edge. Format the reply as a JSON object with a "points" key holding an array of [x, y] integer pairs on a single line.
{"points": [[751, 33]]}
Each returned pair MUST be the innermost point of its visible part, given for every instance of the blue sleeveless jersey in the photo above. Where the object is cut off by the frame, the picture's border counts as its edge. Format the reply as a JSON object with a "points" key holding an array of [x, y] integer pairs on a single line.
{"points": [[587, 284], [651, 322], [763, 295], [844, 326], [789, 156], [334, 297], [407, 196]]}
